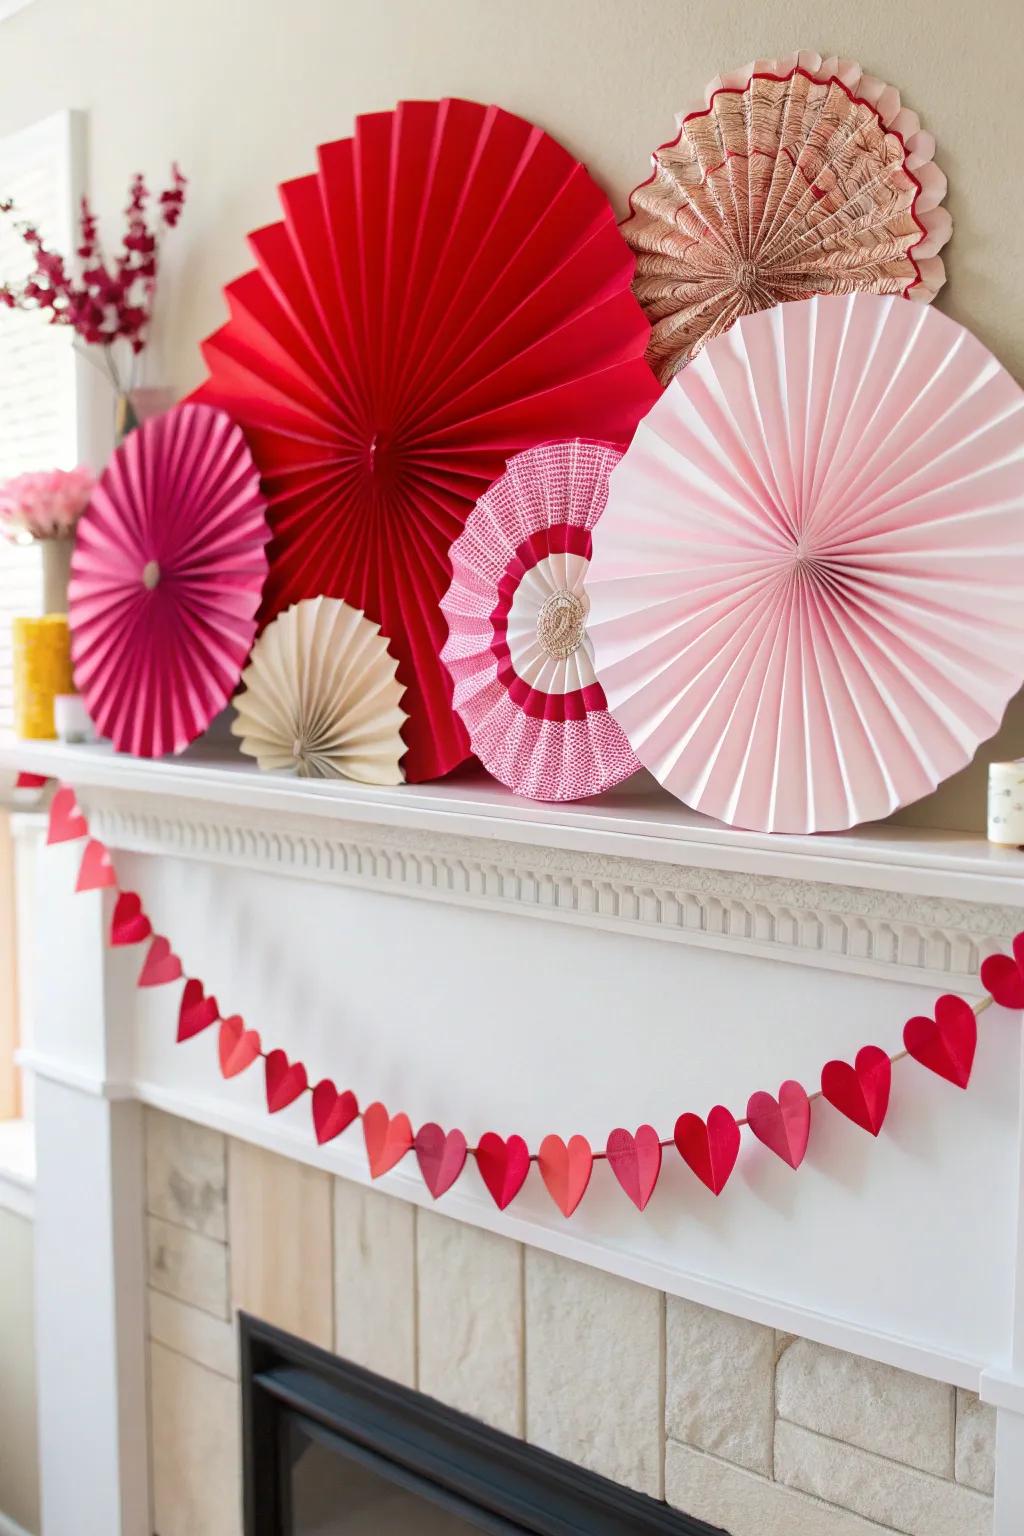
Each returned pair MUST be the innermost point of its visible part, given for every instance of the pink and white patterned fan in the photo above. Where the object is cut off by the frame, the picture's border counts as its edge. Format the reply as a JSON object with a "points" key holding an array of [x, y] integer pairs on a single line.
{"points": [[807, 585], [518, 650]]}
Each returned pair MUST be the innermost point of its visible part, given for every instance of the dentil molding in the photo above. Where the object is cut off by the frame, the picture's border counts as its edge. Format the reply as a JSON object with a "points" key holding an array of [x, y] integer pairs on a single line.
{"points": [[842, 927]]}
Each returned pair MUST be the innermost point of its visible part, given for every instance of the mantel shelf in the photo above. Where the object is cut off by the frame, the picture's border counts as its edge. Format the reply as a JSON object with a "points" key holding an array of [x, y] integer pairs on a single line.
{"points": [[637, 821]]}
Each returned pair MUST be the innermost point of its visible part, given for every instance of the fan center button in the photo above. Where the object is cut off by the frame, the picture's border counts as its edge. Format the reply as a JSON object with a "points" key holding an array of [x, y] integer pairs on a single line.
{"points": [[561, 624], [150, 575]]}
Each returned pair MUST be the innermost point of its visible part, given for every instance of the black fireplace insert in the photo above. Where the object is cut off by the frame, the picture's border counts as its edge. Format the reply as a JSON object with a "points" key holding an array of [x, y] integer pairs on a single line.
{"points": [[330, 1449]]}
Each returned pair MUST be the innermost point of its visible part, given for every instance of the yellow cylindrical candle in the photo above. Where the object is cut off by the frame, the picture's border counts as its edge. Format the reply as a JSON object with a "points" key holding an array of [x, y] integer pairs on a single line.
{"points": [[42, 669]]}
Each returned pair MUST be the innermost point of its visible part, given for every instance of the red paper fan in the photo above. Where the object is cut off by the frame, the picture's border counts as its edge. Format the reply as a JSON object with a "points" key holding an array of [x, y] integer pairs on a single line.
{"points": [[518, 650], [166, 576], [449, 289]]}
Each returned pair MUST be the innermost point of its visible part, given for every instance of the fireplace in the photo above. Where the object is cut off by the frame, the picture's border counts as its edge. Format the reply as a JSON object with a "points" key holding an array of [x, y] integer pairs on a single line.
{"points": [[330, 1449]]}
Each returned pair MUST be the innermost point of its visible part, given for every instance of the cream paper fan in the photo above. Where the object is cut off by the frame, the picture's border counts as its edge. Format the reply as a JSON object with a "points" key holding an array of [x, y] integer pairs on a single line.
{"points": [[320, 697]]}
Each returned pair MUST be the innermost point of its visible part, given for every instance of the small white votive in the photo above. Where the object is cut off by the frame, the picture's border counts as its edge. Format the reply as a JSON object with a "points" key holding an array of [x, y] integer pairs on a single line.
{"points": [[71, 719], [1006, 803]]}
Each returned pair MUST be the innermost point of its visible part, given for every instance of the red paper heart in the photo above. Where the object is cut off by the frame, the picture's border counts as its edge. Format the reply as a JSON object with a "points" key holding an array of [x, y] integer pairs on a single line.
{"points": [[783, 1124], [129, 925], [860, 1092], [945, 1044], [237, 1046], [710, 1149], [387, 1139], [503, 1166], [441, 1157], [31, 781], [1003, 977], [285, 1081], [196, 1013], [95, 871], [66, 821], [160, 966], [635, 1161], [566, 1170], [332, 1111]]}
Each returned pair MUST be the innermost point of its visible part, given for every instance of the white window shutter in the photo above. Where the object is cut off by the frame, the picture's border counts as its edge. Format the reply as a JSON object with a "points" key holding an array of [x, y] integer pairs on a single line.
{"points": [[38, 407]]}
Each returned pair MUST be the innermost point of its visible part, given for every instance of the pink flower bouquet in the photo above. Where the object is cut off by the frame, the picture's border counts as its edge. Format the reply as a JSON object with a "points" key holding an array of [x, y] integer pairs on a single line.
{"points": [[45, 504]]}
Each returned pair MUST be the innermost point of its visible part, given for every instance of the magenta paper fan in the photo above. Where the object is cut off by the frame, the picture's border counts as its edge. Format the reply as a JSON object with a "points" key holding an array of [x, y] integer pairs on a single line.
{"points": [[807, 589], [448, 289], [166, 578], [518, 651]]}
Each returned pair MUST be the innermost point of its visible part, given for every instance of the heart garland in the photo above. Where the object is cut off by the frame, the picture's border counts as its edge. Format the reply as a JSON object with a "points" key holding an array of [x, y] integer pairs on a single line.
{"points": [[944, 1043]]}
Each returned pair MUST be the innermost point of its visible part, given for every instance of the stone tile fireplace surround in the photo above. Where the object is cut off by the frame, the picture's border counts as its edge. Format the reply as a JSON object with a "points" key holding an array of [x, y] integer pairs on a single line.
{"points": [[831, 1352]]}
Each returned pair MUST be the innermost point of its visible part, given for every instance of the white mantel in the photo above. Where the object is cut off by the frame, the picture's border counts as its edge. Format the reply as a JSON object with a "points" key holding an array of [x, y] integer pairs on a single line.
{"points": [[496, 964]]}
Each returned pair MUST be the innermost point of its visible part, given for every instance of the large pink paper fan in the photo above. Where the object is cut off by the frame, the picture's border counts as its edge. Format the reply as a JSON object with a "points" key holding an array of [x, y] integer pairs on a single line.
{"points": [[448, 289], [806, 590], [518, 650], [166, 577]]}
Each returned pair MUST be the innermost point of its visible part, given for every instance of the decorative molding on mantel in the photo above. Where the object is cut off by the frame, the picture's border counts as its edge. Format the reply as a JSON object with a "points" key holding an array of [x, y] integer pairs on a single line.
{"points": [[875, 932]]}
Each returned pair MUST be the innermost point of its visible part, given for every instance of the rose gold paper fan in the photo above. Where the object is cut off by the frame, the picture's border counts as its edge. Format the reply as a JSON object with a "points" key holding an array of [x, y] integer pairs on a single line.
{"points": [[518, 650], [806, 586], [166, 577], [796, 176], [449, 288], [320, 698]]}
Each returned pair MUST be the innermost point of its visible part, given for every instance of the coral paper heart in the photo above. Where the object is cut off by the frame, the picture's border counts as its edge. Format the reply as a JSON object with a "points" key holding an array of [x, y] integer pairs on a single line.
{"points": [[860, 1092], [161, 964], [237, 1046], [635, 1161], [783, 1124], [388, 1138], [66, 821], [441, 1157], [196, 1013], [129, 925], [710, 1150], [503, 1166], [945, 1044], [332, 1111], [1003, 977], [284, 1080], [96, 870], [566, 1170]]}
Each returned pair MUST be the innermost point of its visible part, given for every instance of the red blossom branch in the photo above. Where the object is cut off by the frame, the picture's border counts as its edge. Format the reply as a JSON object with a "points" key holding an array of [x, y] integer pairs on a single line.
{"points": [[103, 301]]}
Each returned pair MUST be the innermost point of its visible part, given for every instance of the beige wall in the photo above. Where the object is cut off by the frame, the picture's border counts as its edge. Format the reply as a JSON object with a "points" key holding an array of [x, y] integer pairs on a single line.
{"points": [[19, 1476], [241, 91]]}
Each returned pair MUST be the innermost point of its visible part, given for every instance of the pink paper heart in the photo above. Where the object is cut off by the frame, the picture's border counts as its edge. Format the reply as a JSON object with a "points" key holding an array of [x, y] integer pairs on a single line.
{"points": [[67, 823], [566, 1170], [441, 1157], [860, 1092], [284, 1081], [95, 871], [388, 1138], [783, 1124], [709, 1149], [946, 1043], [237, 1046], [503, 1166], [332, 1111], [197, 1012], [635, 1161], [129, 924], [161, 965]]}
